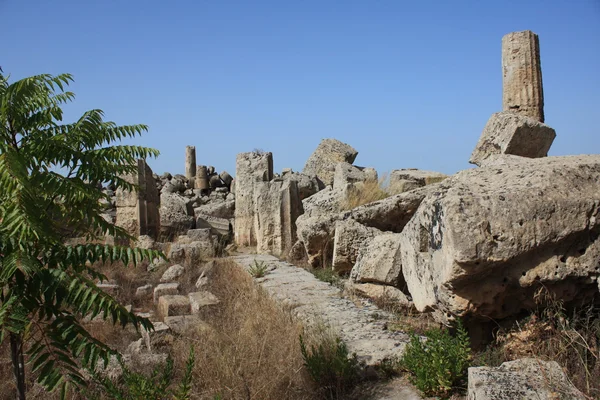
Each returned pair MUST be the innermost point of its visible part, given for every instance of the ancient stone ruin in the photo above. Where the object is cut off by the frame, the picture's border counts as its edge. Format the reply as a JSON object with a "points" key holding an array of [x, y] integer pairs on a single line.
{"points": [[477, 245]]}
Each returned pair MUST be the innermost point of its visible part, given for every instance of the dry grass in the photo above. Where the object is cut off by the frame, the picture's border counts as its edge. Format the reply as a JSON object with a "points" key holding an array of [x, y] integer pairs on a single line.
{"points": [[364, 193], [571, 338], [252, 349]]}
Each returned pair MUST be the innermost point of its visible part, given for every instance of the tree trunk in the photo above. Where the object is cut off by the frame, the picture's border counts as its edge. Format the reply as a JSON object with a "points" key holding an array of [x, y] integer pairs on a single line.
{"points": [[16, 354]]}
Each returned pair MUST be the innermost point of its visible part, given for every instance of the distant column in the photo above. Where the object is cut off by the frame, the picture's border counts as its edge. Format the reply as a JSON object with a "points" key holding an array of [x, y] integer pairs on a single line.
{"points": [[190, 162], [201, 178], [522, 75]]}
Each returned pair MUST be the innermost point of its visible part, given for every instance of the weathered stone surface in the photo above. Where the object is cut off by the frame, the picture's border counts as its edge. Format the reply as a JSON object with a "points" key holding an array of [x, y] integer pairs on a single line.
{"points": [[522, 90], [316, 231], [510, 133], [190, 163], [159, 337], [392, 213], [215, 224], [346, 173], [145, 242], [191, 254], [378, 292], [169, 305], [527, 378], [222, 209], [278, 205], [350, 237], [180, 324], [199, 300], [176, 215], [379, 261], [165, 289], [144, 291], [201, 179], [307, 185], [172, 273], [199, 235], [323, 160], [403, 180], [250, 168], [226, 178], [325, 202], [137, 211], [490, 237]]}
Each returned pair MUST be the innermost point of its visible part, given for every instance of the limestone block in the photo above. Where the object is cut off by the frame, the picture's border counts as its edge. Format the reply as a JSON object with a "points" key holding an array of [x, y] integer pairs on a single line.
{"points": [[510, 133], [199, 234], [160, 336], [221, 209], [277, 206], [143, 291], [526, 378], [222, 226], [379, 261], [403, 180], [349, 239], [172, 273], [250, 168], [180, 324], [346, 173], [165, 289], [382, 292], [487, 240], [198, 300], [522, 90], [323, 160], [191, 254], [307, 185], [226, 178], [170, 305], [201, 179], [176, 214]]}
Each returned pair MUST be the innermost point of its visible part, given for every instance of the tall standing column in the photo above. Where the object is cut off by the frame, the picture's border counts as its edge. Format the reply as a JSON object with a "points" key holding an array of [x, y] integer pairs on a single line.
{"points": [[190, 162], [522, 75]]}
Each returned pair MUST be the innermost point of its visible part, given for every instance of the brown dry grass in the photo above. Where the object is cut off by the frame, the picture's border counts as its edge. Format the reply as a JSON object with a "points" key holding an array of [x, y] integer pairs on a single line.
{"points": [[364, 193], [571, 338], [252, 349]]}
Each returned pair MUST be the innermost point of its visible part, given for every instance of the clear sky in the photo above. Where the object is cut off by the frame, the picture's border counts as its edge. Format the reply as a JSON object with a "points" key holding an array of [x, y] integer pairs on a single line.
{"points": [[409, 84]]}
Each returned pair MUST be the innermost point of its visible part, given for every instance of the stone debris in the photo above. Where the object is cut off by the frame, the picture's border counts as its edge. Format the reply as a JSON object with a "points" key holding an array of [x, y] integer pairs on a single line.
{"points": [[388, 293], [527, 378], [323, 160], [179, 324], [158, 337], [198, 300], [349, 239], [172, 273], [379, 262], [165, 289], [404, 180], [483, 242], [144, 291], [170, 305], [510, 133]]}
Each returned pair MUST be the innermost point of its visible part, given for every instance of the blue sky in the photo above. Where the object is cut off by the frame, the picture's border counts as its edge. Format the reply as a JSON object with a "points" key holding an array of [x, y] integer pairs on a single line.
{"points": [[409, 84]]}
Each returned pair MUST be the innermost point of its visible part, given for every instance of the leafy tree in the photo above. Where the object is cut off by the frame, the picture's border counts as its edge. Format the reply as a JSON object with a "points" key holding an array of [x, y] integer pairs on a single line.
{"points": [[47, 286]]}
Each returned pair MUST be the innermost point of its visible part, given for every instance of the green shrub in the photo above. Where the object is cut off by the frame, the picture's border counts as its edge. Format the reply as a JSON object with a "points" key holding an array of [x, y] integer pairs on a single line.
{"points": [[439, 363], [331, 367], [258, 269], [329, 276]]}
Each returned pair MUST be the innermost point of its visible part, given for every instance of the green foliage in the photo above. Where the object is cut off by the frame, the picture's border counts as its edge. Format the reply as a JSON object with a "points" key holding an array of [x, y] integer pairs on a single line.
{"points": [[258, 269], [328, 275], [49, 178], [136, 386], [331, 367], [439, 363]]}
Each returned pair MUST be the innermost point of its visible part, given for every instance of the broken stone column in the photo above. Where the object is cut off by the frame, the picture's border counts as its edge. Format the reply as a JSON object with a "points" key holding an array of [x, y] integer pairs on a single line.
{"points": [[190, 163], [137, 211], [522, 91], [277, 206], [250, 168], [201, 177]]}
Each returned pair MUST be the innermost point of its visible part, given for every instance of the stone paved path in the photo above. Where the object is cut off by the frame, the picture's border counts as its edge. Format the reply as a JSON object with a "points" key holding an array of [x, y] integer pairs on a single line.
{"points": [[361, 325]]}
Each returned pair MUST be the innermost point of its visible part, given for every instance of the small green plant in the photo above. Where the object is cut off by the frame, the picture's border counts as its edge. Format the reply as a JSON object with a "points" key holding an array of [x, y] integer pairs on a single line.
{"points": [[388, 367], [258, 269], [135, 386], [328, 275], [330, 366], [438, 364]]}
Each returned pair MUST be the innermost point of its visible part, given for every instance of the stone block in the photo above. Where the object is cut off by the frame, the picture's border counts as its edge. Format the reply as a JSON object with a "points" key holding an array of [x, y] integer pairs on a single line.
{"points": [[171, 305], [165, 289]]}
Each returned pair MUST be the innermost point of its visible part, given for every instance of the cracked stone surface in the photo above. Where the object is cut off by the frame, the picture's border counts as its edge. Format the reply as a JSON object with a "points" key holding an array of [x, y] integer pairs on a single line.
{"points": [[360, 324]]}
